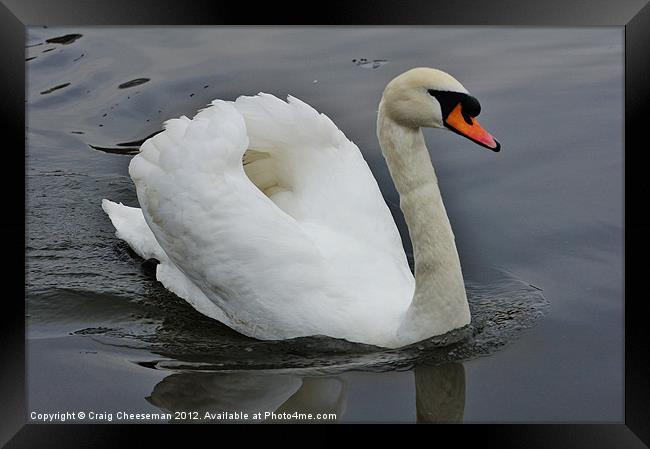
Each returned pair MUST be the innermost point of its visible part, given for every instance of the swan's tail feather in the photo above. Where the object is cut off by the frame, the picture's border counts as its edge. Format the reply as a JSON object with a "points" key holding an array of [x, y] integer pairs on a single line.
{"points": [[131, 227]]}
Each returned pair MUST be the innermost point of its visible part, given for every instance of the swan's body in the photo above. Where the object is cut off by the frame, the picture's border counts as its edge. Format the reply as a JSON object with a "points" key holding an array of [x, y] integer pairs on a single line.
{"points": [[297, 240]]}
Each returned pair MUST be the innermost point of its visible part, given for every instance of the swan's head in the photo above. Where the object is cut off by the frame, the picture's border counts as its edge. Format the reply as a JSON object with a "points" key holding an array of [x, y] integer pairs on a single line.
{"points": [[424, 97]]}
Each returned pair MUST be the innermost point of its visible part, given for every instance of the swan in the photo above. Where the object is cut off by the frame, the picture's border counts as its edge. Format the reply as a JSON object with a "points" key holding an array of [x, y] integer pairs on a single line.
{"points": [[265, 217]]}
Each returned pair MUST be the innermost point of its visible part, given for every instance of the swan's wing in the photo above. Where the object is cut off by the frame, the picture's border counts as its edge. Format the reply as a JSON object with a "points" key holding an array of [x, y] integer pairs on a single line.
{"points": [[218, 229], [312, 264], [326, 178]]}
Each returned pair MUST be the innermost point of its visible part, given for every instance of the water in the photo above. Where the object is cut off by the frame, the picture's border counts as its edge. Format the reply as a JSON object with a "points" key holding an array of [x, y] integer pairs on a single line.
{"points": [[543, 214]]}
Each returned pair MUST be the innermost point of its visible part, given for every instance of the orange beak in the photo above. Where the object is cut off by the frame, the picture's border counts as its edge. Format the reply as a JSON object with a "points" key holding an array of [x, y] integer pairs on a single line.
{"points": [[467, 126]]}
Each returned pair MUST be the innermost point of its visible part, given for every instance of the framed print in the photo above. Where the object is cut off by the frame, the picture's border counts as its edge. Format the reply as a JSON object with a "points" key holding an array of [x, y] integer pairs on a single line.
{"points": [[390, 214]]}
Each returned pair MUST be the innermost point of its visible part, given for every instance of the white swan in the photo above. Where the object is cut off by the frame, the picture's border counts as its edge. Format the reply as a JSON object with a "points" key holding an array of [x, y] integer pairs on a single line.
{"points": [[297, 240]]}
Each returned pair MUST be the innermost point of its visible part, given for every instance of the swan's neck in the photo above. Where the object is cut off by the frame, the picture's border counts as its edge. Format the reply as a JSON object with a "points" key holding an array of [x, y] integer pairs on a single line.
{"points": [[439, 303]]}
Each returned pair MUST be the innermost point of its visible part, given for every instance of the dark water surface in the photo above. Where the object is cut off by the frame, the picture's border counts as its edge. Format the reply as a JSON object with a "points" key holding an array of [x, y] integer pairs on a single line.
{"points": [[543, 214]]}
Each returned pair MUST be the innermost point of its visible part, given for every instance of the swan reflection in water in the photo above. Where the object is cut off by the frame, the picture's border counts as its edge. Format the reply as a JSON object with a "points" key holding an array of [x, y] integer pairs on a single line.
{"points": [[439, 394]]}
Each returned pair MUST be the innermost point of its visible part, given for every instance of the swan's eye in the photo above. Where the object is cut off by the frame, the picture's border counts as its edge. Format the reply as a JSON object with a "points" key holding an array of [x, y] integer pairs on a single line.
{"points": [[449, 100], [471, 106]]}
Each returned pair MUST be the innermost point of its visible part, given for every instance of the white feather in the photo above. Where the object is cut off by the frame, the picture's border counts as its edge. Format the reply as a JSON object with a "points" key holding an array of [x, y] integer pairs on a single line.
{"points": [[320, 255]]}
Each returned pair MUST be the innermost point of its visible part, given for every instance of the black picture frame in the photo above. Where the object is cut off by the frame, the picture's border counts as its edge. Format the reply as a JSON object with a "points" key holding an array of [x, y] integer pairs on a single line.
{"points": [[633, 15]]}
